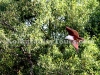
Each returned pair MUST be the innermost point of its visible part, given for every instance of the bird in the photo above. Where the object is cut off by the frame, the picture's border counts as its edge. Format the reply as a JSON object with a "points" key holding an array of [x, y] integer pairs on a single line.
{"points": [[74, 37]]}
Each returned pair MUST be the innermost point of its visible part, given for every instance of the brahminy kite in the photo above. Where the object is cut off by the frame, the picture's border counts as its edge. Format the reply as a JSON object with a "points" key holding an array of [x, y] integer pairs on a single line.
{"points": [[73, 37]]}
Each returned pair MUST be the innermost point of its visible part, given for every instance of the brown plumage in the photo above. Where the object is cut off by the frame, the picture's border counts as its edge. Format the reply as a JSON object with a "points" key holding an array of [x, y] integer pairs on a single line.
{"points": [[73, 37]]}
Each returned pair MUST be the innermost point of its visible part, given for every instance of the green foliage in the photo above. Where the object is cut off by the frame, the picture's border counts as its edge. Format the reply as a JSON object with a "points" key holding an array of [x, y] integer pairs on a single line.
{"points": [[93, 26], [32, 36]]}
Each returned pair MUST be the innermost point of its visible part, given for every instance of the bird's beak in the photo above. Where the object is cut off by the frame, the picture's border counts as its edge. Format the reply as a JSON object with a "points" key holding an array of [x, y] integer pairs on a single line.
{"points": [[81, 40]]}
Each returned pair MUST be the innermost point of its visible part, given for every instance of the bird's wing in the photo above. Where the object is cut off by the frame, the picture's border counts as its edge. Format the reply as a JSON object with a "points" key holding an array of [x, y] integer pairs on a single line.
{"points": [[72, 32], [75, 44]]}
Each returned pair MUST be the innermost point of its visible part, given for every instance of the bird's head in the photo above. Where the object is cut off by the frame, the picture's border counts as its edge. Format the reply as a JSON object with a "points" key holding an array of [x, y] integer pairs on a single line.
{"points": [[81, 39]]}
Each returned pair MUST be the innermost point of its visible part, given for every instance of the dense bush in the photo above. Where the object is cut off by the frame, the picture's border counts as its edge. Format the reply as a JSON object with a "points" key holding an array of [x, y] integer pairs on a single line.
{"points": [[32, 36]]}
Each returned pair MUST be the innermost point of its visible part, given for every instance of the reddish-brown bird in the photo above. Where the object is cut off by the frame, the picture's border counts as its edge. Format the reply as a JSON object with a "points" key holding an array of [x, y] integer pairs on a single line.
{"points": [[73, 37]]}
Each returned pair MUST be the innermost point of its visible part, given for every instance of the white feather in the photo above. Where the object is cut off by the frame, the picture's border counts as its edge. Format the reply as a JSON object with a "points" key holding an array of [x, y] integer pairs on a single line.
{"points": [[69, 37]]}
